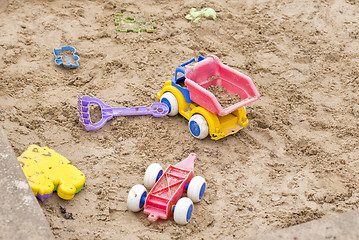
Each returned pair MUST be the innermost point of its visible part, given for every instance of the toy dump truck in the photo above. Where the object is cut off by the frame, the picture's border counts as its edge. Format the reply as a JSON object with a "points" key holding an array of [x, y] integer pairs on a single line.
{"points": [[188, 94]]}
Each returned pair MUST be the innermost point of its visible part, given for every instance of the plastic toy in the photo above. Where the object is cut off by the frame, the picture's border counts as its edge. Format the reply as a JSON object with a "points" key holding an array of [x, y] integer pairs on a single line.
{"points": [[196, 15], [125, 22], [187, 94], [167, 188], [156, 110], [47, 171], [66, 56]]}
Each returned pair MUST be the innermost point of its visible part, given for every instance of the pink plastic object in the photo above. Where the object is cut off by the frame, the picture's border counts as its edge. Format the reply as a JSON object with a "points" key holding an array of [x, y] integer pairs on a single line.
{"points": [[212, 72], [169, 188]]}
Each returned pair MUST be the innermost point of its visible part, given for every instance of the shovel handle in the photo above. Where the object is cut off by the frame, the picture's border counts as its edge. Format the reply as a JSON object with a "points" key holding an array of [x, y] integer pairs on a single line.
{"points": [[156, 109]]}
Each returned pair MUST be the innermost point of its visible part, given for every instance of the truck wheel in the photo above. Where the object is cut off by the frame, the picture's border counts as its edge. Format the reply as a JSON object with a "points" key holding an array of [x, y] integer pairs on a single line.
{"points": [[183, 211], [136, 198], [153, 173], [196, 189], [171, 101], [198, 126]]}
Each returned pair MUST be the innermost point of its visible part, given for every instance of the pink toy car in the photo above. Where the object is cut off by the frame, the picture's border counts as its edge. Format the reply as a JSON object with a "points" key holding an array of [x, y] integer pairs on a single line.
{"points": [[168, 187]]}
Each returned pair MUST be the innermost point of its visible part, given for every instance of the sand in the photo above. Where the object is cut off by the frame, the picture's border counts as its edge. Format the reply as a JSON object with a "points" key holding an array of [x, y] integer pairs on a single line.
{"points": [[297, 160]]}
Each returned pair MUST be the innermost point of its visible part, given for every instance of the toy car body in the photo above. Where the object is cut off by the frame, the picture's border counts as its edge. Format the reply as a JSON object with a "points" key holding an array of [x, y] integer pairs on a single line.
{"points": [[186, 94], [169, 186]]}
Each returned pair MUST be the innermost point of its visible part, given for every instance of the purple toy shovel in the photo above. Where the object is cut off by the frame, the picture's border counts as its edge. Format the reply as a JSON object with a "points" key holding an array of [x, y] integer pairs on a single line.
{"points": [[156, 110]]}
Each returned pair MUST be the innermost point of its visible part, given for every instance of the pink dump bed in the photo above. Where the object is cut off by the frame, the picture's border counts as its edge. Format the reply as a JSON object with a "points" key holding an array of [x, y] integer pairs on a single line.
{"points": [[169, 189], [212, 72]]}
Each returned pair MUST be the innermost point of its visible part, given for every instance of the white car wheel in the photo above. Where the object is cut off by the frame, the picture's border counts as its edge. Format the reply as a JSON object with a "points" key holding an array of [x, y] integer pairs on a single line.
{"points": [[198, 126], [153, 173], [136, 198], [171, 101], [196, 189], [183, 211]]}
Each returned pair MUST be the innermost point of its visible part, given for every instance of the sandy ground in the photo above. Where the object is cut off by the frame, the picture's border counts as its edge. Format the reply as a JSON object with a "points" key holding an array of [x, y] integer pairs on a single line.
{"points": [[297, 160]]}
